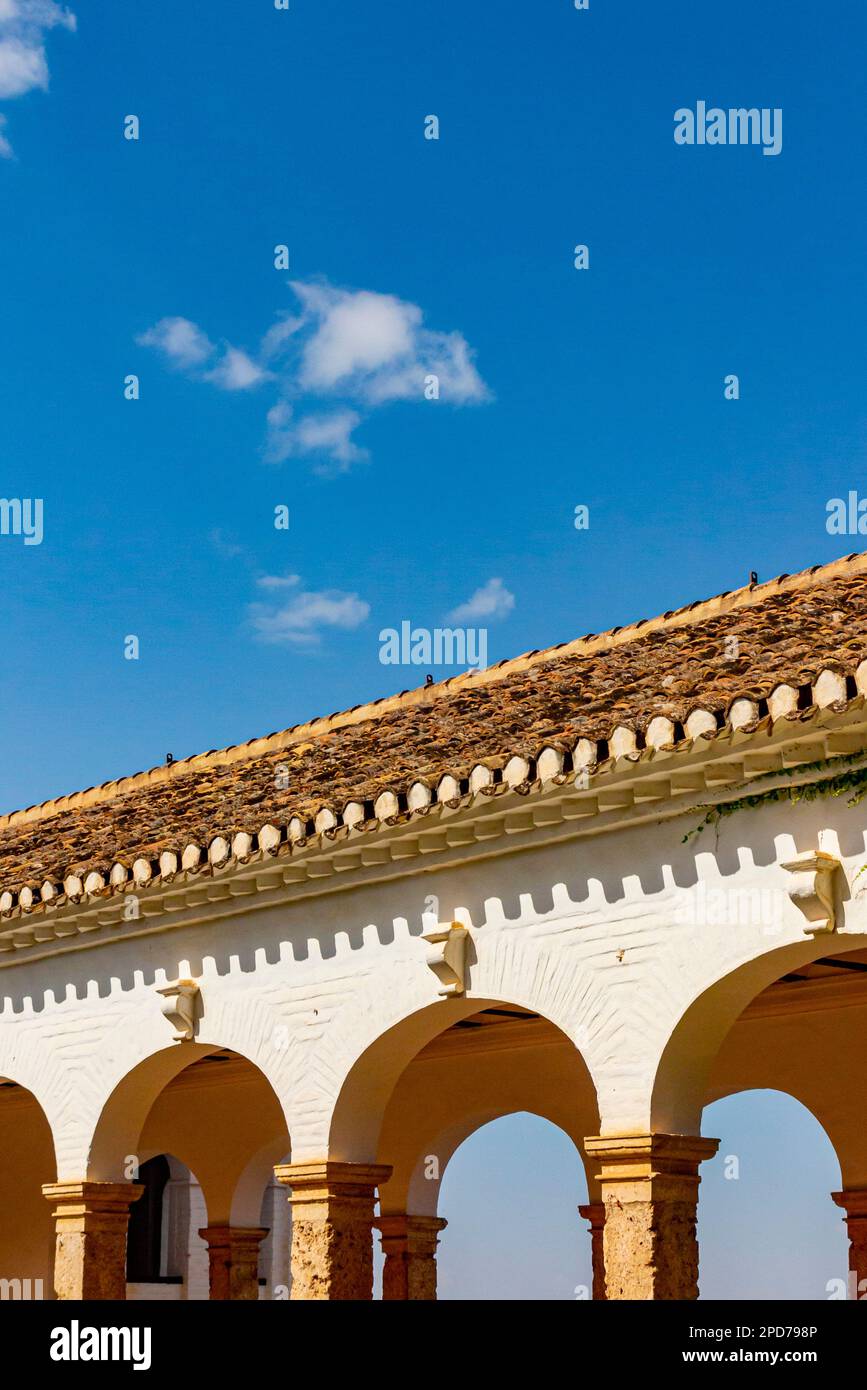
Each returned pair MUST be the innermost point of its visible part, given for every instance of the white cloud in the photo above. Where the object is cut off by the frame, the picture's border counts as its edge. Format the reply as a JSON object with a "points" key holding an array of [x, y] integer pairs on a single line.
{"points": [[22, 67], [179, 340], [298, 621], [279, 581], [187, 347], [492, 600], [23, 64], [364, 347], [329, 435], [5, 147], [236, 371], [373, 347], [224, 546]]}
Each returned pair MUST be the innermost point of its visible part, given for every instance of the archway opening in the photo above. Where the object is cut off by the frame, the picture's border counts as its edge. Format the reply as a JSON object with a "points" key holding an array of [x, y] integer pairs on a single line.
{"points": [[423, 1088], [766, 1224], [203, 1145], [511, 1193]]}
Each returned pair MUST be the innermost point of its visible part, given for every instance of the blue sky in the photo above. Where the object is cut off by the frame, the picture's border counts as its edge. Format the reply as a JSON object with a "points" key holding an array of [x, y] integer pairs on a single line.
{"points": [[602, 387]]}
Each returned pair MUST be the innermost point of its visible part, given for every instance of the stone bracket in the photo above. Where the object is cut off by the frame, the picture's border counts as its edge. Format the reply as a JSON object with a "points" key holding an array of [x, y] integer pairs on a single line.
{"points": [[812, 889], [447, 957], [180, 1008]]}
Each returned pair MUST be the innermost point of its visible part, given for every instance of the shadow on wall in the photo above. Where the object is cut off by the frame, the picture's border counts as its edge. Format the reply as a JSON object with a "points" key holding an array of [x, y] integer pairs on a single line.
{"points": [[597, 872]]}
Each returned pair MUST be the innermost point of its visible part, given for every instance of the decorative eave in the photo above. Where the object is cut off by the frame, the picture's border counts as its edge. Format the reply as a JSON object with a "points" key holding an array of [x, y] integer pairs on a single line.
{"points": [[588, 789]]}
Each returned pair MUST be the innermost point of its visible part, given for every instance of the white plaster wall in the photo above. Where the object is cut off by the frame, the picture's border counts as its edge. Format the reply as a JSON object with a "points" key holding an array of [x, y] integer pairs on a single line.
{"points": [[590, 932]]}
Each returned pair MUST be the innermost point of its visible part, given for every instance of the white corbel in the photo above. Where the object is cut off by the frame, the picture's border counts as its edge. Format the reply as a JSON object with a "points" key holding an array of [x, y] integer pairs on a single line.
{"points": [[180, 1008], [447, 956], [812, 889]]}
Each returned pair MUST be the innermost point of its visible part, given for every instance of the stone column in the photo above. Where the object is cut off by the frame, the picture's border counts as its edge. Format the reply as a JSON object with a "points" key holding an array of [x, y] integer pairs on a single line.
{"points": [[594, 1213], [233, 1257], [91, 1220], [650, 1191], [332, 1218], [409, 1244], [854, 1204]]}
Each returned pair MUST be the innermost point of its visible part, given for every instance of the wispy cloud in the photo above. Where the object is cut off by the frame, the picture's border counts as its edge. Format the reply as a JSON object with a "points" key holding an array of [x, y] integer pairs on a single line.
{"points": [[356, 349], [181, 342], [328, 434], [23, 62], [186, 348], [492, 600], [224, 545], [298, 619]]}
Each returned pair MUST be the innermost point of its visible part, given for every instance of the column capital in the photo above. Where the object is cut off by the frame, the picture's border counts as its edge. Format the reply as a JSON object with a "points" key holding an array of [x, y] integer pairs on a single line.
{"points": [[91, 1220], [234, 1236], [401, 1226], [233, 1257], [660, 1151], [594, 1212], [320, 1178], [409, 1244], [75, 1199], [853, 1200], [669, 1162]]}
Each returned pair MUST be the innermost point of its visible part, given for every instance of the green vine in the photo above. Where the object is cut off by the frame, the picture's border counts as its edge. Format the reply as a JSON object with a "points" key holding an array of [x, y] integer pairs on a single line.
{"points": [[854, 780]]}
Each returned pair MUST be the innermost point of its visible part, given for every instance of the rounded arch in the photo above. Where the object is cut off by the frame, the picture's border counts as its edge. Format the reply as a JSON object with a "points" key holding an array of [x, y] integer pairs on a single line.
{"points": [[393, 1015], [438, 1075], [27, 1230], [219, 1120], [117, 1132], [682, 1078], [247, 1197]]}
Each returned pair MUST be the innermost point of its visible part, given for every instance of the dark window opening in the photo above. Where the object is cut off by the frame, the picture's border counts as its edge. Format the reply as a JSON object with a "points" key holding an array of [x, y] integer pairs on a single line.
{"points": [[144, 1236]]}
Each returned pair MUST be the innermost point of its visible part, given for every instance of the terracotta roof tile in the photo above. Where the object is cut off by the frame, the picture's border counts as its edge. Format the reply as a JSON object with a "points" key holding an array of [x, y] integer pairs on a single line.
{"points": [[787, 632]]}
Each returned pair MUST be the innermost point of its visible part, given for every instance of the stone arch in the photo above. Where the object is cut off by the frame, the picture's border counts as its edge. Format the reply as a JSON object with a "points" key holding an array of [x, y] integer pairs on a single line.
{"points": [[447, 1092], [682, 1076], [394, 1015], [212, 1129], [27, 1230]]}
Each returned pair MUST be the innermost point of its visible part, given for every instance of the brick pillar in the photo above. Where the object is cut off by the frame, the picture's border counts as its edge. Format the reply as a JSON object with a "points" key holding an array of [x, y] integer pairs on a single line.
{"points": [[854, 1204], [650, 1191], [332, 1219], [410, 1244], [91, 1219], [233, 1258], [594, 1213]]}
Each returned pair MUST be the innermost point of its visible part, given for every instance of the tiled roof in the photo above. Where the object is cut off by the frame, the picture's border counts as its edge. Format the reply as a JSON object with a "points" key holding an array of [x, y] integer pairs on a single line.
{"points": [[759, 654]]}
